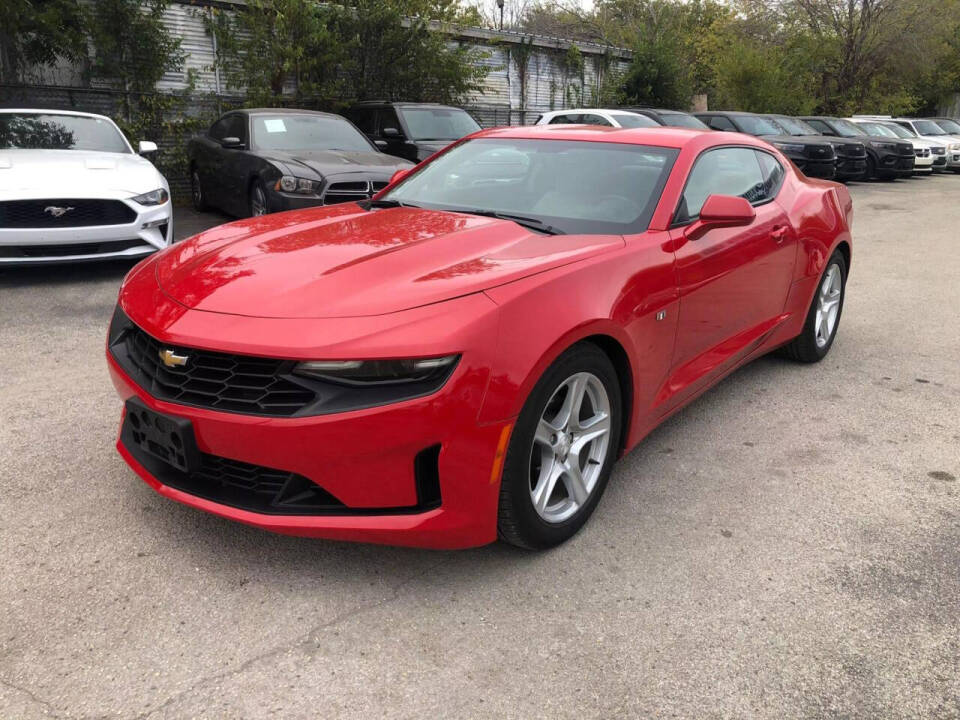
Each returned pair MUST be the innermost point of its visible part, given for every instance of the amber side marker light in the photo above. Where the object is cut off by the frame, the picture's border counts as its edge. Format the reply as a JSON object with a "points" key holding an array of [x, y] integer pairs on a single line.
{"points": [[501, 453]]}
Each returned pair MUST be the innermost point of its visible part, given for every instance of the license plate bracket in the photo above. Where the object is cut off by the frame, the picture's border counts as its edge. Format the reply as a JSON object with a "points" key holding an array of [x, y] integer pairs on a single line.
{"points": [[165, 437]]}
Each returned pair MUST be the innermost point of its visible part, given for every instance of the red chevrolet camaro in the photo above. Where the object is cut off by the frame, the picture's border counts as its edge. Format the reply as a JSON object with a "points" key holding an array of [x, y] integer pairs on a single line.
{"points": [[466, 355]]}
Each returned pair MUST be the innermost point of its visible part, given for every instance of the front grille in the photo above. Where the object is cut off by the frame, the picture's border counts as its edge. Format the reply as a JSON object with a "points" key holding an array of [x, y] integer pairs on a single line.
{"points": [[219, 381], [819, 152], [922, 152], [905, 149], [853, 150], [63, 213], [347, 191], [68, 250]]}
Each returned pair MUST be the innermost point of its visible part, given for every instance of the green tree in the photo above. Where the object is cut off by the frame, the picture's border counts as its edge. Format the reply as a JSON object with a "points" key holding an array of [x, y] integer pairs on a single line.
{"points": [[38, 33], [132, 48]]}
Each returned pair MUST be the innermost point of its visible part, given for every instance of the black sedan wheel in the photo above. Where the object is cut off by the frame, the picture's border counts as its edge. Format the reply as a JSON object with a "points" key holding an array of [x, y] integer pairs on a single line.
{"points": [[196, 192], [258, 200]]}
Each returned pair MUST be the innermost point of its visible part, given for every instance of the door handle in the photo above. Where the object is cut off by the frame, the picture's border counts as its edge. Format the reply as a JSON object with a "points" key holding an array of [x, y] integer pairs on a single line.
{"points": [[779, 233]]}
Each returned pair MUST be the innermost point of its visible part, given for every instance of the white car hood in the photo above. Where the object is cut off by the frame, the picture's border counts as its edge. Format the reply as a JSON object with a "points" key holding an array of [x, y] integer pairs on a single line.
{"points": [[75, 173]]}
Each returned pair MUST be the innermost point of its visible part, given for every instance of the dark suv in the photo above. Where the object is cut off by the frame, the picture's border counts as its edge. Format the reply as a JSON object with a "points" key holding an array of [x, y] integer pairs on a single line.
{"points": [[851, 154], [414, 131], [885, 158], [814, 156]]}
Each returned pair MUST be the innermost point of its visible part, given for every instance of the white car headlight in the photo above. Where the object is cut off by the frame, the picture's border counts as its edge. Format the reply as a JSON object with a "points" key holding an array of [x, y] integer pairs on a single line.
{"points": [[154, 197], [291, 184], [377, 372]]}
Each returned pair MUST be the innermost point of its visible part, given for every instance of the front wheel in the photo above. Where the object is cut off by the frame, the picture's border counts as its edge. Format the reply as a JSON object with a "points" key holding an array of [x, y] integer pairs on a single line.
{"points": [[562, 450], [258, 200], [823, 317], [197, 195]]}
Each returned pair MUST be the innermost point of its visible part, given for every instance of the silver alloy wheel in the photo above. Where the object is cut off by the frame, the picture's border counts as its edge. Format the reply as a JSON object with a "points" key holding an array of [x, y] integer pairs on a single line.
{"points": [[570, 447], [828, 305], [197, 190], [258, 202]]}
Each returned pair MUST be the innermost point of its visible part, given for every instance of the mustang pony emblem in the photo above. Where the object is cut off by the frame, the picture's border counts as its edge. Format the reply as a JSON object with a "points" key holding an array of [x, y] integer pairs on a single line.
{"points": [[171, 359], [57, 210]]}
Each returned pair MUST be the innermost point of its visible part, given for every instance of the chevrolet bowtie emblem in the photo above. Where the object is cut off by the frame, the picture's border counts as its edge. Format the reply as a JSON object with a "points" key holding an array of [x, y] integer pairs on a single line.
{"points": [[171, 359]]}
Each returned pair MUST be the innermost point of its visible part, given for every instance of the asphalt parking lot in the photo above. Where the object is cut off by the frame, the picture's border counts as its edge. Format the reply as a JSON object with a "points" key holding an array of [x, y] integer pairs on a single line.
{"points": [[787, 546]]}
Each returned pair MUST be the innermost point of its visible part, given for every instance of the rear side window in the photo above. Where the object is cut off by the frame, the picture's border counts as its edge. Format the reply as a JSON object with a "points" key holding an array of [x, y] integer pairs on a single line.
{"points": [[364, 119], [592, 119], [723, 171], [718, 122], [570, 119], [772, 172]]}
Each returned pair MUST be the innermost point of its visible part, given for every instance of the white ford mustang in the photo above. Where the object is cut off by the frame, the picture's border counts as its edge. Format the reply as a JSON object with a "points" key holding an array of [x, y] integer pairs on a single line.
{"points": [[73, 189]]}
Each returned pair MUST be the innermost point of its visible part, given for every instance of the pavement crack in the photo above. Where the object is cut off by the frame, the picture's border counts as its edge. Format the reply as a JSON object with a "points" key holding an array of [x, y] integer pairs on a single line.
{"points": [[299, 641], [49, 707]]}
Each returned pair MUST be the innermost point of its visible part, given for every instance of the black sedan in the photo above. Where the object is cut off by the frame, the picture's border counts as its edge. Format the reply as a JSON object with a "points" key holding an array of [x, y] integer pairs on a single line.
{"points": [[252, 162]]}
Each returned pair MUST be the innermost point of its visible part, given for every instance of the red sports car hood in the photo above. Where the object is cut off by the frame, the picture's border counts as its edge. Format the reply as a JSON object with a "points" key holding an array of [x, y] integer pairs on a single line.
{"points": [[342, 261]]}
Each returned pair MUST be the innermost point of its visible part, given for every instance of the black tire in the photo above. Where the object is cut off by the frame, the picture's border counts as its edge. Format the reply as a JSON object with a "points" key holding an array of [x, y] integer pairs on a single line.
{"points": [[197, 195], [256, 187], [804, 348], [518, 522]]}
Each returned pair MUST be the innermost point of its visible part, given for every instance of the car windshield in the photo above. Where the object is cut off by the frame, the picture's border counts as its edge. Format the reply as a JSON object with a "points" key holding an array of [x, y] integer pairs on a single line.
{"points": [[42, 131], [438, 123], [756, 125], [928, 127], [792, 126], [845, 128], [949, 126], [899, 130], [307, 132], [877, 130], [683, 120], [566, 186], [635, 121]]}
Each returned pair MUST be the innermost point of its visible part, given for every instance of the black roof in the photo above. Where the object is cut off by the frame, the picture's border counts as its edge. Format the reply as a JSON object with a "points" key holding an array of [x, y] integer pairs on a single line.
{"points": [[402, 103]]}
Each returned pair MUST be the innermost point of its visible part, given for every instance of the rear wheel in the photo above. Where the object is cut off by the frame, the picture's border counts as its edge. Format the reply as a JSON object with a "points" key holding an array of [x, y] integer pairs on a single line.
{"points": [[823, 317], [562, 450], [197, 195]]}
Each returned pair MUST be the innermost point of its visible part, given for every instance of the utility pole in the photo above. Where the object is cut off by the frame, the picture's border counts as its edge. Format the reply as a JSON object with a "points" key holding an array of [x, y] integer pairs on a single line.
{"points": [[500, 5]]}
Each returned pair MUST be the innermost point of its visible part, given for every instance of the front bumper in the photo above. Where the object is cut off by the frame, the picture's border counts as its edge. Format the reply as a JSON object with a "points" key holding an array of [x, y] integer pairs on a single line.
{"points": [[823, 169], [369, 460], [151, 230], [851, 168]]}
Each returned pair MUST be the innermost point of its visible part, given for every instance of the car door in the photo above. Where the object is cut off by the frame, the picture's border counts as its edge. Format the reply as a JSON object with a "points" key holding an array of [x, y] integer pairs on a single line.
{"points": [[235, 167], [210, 161], [733, 282], [397, 145]]}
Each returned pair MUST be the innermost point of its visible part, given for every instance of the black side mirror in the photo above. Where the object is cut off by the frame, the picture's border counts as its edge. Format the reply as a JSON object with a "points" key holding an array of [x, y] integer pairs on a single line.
{"points": [[231, 143], [391, 133]]}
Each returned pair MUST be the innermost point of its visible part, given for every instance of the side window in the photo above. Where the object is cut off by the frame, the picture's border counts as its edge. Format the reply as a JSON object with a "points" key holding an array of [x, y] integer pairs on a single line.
{"points": [[718, 122], [566, 120], [772, 172], [218, 131], [388, 119], [236, 127], [592, 119], [363, 118], [724, 171]]}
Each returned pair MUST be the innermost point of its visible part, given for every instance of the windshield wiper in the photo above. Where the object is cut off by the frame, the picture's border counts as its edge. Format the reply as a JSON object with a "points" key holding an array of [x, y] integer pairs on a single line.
{"points": [[367, 204], [529, 222]]}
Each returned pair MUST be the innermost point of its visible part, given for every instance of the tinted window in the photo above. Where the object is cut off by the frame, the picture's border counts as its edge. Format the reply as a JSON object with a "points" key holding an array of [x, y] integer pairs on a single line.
{"points": [[577, 187], [41, 131], [438, 123], [755, 125], [566, 120], [237, 127], [307, 132], [820, 126], [387, 118], [845, 128], [950, 126], [718, 122], [724, 171], [635, 121], [928, 127], [876, 129], [594, 119], [682, 120], [772, 173], [793, 126], [364, 119], [899, 130]]}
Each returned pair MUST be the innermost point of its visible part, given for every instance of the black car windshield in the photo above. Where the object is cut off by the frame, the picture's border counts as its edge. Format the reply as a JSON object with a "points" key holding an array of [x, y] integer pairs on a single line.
{"points": [[571, 186], [845, 128], [877, 130], [438, 123], [683, 120], [793, 126], [756, 125], [307, 132], [635, 121], [42, 131], [949, 126], [928, 127]]}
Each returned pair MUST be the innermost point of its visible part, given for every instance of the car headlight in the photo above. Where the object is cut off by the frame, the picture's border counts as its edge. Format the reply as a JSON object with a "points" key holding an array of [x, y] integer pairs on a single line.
{"points": [[154, 197], [955, 146], [291, 184], [789, 147], [367, 373]]}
